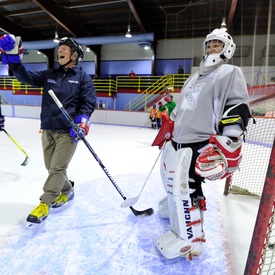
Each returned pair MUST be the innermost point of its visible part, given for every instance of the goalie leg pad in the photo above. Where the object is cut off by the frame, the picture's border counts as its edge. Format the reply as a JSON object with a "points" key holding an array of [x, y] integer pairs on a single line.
{"points": [[185, 236], [171, 246], [163, 208]]}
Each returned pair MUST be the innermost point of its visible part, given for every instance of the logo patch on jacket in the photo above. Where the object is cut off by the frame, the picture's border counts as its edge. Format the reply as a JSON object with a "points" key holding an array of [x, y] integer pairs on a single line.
{"points": [[51, 81], [191, 96]]}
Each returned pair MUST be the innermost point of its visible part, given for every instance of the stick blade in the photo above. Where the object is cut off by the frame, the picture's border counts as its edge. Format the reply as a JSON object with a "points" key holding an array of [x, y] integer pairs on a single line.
{"points": [[26, 161], [129, 202], [143, 213]]}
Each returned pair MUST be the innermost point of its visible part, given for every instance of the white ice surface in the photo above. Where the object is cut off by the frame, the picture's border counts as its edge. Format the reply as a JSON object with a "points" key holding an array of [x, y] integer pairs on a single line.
{"points": [[95, 235]]}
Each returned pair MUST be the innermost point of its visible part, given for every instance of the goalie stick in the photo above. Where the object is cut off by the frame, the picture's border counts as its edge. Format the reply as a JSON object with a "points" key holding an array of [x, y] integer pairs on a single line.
{"points": [[146, 212], [131, 201]]}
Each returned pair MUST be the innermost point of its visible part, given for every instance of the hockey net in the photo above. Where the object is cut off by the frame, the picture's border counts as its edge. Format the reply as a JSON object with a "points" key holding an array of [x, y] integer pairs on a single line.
{"points": [[256, 177]]}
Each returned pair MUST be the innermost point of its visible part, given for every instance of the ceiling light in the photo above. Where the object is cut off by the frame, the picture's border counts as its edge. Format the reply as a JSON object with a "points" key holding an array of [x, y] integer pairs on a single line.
{"points": [[145, 45], [128, 33], [223, 25], [56, 40]]}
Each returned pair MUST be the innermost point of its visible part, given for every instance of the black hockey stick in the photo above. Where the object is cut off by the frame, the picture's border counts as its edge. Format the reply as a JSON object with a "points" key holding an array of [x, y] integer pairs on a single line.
{"points": [[26, 161], [146, 212]]}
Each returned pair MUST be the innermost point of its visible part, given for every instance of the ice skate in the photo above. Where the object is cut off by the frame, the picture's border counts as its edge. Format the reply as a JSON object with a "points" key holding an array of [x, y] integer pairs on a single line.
{"points": [[38, 215], [63, 201]]}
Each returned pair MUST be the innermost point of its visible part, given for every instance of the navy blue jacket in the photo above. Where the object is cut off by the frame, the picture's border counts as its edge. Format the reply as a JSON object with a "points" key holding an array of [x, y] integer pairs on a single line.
{"points": [[74, 88]]}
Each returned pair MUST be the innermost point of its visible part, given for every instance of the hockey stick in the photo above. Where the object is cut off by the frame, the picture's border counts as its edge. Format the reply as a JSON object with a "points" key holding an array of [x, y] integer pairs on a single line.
{"points": [[144, 124], [131, 201], [26, 161], [146, 212]]}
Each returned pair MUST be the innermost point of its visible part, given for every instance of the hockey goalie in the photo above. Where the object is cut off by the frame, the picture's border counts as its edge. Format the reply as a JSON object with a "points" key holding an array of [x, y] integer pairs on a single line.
{"points": [[202, 139]]}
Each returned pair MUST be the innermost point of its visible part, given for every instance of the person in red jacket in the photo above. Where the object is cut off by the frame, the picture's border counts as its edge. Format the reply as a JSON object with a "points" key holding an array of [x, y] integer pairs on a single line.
{"points": [[132, 74]]}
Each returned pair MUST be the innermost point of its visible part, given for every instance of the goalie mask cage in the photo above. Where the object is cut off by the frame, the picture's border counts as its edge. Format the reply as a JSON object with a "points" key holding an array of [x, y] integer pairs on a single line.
{"points": [[256, 177]]}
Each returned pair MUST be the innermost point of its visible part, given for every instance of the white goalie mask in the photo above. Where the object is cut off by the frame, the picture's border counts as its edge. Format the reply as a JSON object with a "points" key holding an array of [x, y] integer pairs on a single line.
{"points": [[227, 51]]}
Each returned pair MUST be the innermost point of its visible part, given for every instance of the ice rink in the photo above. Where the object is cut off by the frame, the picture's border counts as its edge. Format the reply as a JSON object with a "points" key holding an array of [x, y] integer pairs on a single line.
{"points": [[95, 235]]}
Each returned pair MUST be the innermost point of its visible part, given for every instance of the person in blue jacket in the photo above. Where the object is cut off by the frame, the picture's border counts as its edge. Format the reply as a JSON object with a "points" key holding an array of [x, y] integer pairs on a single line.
{"points": [[2, 118], [75, 89]]}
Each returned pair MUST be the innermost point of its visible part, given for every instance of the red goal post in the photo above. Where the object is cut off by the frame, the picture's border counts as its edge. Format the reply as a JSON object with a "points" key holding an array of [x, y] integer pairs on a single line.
{"points": [[261, 258], [256, 177]]}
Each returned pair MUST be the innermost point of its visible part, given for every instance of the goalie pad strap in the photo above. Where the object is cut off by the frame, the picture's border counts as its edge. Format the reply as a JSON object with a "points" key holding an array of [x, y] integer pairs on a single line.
{"points": [[199, 240], [194, 222]]}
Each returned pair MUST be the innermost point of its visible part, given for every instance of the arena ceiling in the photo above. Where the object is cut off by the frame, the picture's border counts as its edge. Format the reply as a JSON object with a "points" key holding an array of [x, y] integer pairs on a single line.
{"points": [[39, 19]]}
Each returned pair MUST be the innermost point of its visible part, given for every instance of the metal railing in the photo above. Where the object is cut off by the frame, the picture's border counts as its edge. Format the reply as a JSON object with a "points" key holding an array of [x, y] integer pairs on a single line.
{"points": [[151, 93], [148, 87], [105, 85], [11, 83]]}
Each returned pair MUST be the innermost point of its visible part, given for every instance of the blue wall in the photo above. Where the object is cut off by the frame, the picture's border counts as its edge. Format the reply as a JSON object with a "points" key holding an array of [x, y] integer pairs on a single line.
{"points": [[32, 100], [114, 68], [122, 67], [171, 66], [36, 66], [4, 70], [35, 100], [108, 101]]}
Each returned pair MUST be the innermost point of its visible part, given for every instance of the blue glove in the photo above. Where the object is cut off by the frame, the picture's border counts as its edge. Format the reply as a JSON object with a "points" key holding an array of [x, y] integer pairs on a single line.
{"points": [[2, 122], [83, 128], [7, 42], [11, 49]]}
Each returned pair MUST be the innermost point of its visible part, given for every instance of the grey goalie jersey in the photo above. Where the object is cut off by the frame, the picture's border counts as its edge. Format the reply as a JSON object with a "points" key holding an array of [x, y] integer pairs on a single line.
{"points": [[202, 102]]}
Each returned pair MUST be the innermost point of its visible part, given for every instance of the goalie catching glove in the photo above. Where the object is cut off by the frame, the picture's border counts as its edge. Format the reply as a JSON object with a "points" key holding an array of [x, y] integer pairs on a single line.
{"points": [[219, 159], [11, 49], [83, 128]]}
